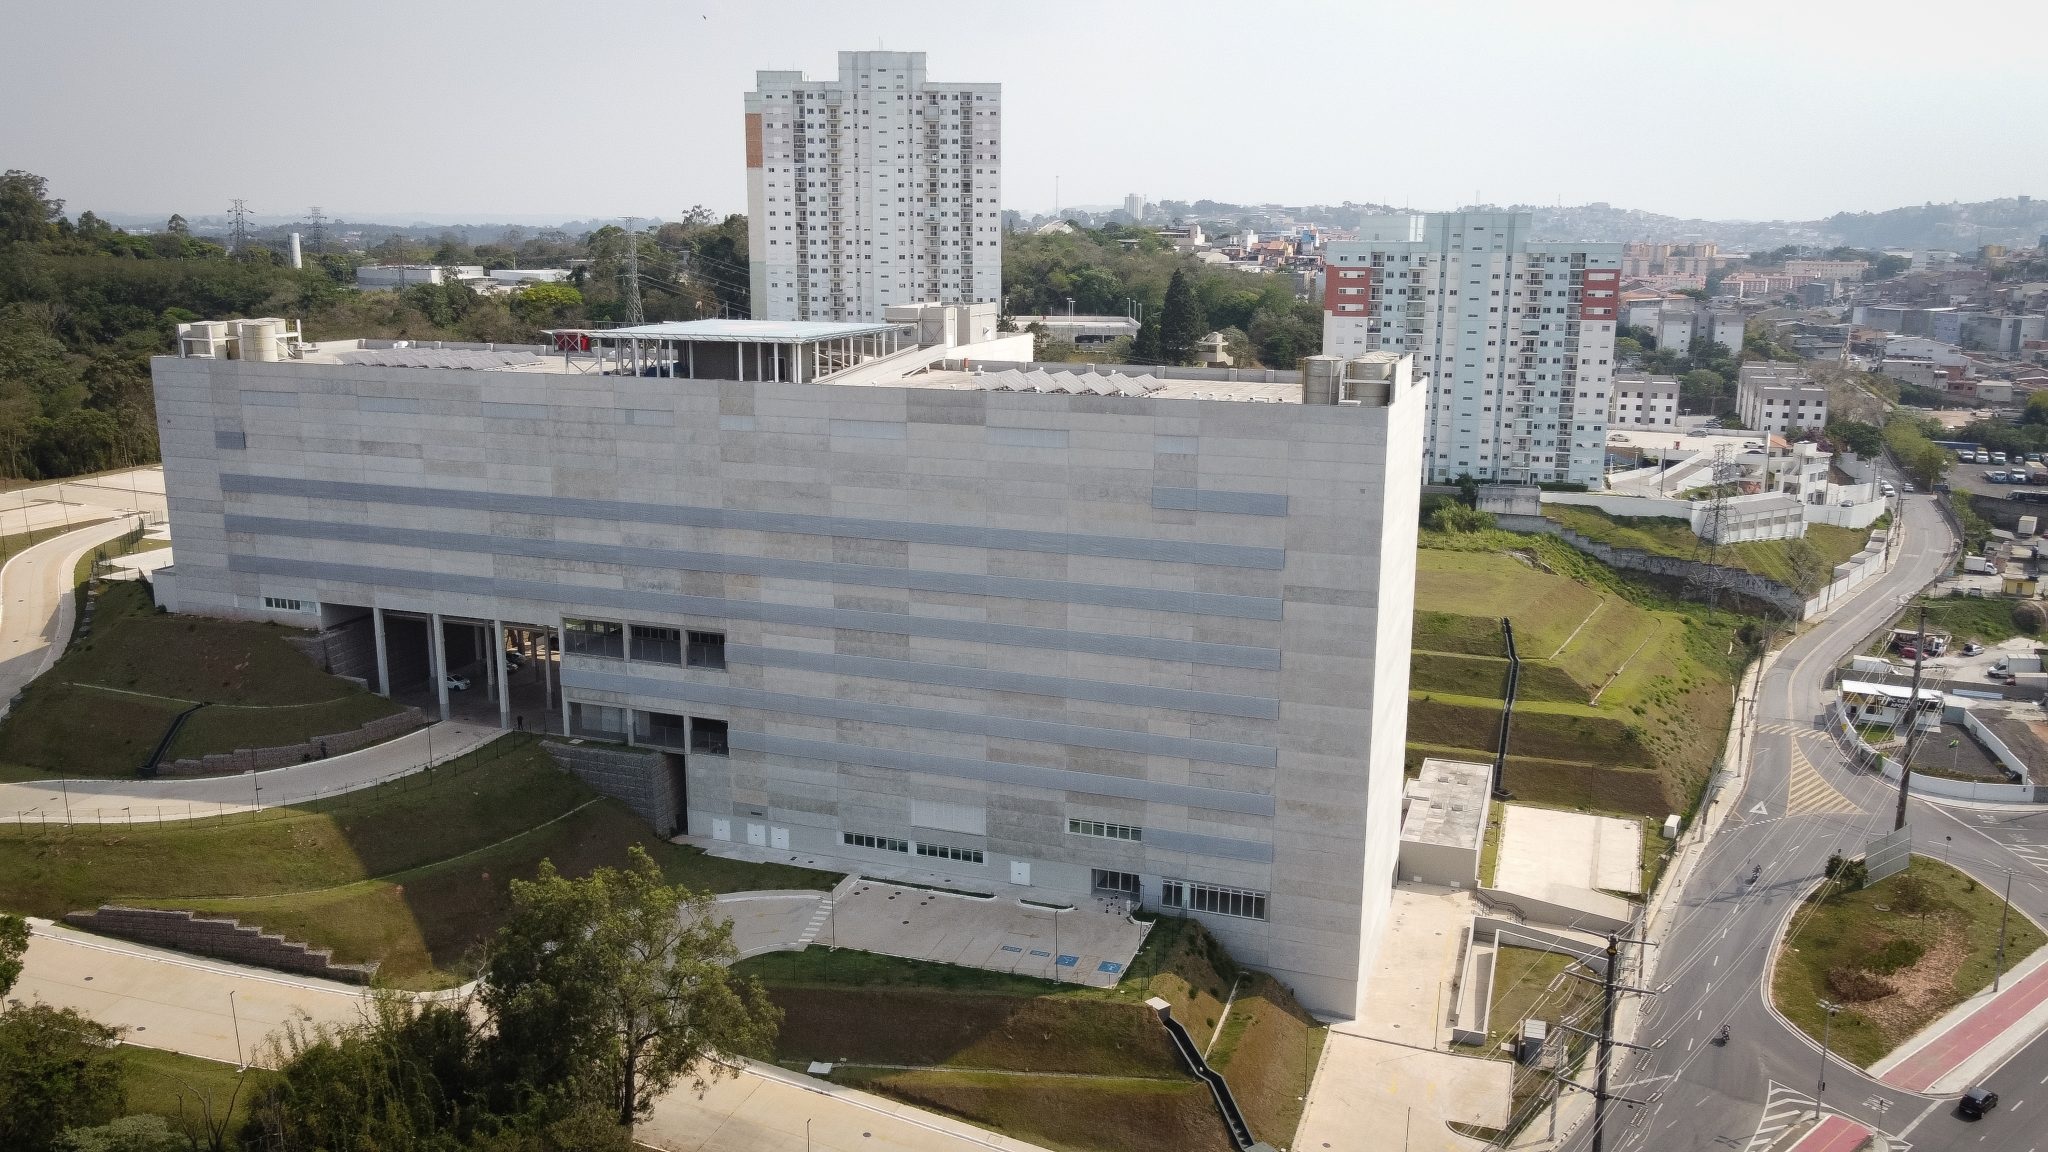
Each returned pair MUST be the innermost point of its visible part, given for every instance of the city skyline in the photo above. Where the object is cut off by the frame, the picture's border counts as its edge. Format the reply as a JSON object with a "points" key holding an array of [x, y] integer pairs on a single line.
{"points": [[1187, 112]]}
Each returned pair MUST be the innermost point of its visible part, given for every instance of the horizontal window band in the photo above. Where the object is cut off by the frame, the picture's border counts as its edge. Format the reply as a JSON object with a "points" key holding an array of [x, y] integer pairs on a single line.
{"points": [[959, 535], [928, 719], [582, 599], [866, 575], [1216, 500], [994, 680], [1000, 772]]}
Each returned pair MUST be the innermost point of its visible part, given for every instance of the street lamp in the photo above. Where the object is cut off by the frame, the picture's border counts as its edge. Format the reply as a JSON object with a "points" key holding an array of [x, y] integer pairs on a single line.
{"points": [[1830, 1008], [2003, 916]]}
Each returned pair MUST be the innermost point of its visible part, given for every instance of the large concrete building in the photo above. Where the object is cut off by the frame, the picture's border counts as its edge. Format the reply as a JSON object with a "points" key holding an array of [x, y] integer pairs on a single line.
{"points": [[1643, 401], [1137, 635], [1516, 335], [876, 188]]}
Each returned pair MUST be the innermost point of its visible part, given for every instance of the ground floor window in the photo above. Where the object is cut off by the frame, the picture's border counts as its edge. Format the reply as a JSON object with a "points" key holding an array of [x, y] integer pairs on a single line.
{"points": [[951, 852], [1108, 880], [281, 604], [599, 720], [707, 736], [1213, 898], [880, 843], [663, 729]]}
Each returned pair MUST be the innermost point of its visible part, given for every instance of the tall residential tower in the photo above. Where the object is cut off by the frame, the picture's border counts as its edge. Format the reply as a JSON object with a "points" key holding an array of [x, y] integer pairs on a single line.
{"points": [[1516, 335], [873, 189]]}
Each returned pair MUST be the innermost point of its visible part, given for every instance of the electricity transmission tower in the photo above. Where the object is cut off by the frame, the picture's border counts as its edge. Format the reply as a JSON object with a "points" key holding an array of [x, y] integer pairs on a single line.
{"points": [[316, 229], [633, 313], [1708, 581], [240, 235]]}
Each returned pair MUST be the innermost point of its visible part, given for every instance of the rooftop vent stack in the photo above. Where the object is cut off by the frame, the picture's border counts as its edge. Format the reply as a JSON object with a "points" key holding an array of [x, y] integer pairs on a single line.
{"points": [[1368, 380], [260, 339], [1321, 377]]}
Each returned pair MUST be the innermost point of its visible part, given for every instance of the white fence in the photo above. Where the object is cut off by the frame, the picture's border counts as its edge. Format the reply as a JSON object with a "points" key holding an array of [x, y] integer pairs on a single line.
{"points": [[1922, 783], [1851, 574]]}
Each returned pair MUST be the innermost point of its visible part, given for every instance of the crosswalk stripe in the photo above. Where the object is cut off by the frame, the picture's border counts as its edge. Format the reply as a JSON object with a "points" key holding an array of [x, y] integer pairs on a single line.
{"points": [[1808, 792]]}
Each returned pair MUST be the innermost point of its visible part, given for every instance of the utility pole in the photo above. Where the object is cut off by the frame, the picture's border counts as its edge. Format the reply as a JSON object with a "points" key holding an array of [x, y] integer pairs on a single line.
{"points": [[2004, 916], [1912, 722], [634, 316], [1604, 1055]]}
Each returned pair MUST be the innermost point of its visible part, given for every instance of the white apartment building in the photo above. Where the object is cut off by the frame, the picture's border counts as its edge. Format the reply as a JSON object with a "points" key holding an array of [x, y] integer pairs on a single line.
{"points": [[1675, 329], [1779, 398], [1516, 335], [1727, 330], [1643, 401], [872, 189]]}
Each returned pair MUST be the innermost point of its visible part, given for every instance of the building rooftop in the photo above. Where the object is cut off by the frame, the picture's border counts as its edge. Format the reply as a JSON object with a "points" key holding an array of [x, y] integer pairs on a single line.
{"points": [[1447, 803], [744, 331]]}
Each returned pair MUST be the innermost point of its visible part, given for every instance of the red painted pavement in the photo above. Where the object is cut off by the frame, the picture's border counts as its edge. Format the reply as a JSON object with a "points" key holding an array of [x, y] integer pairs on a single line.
{"points": [[1920, 1070], [1834, 1134]]}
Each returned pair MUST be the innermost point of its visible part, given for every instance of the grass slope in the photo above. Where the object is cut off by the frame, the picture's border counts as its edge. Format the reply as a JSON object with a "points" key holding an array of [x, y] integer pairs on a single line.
{"points": [[186, 1090], [107, 701], [1824, 547], [1957, 935], [411, 874], [985, 1045], [1624, 694]]}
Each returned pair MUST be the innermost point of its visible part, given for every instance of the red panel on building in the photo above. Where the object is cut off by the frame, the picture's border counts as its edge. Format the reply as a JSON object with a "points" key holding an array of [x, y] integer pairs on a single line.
{"points": [[1601, 280], [1343, 285]]}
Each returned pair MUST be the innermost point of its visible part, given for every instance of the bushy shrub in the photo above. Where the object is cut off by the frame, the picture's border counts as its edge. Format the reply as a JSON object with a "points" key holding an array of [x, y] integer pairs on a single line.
{"points": [[1854, 985], [1894, 954], [1847, 873]]}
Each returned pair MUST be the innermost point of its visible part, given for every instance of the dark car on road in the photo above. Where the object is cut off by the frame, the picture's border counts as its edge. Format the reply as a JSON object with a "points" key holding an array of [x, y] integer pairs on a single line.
{"points": [[1976, 1102]]}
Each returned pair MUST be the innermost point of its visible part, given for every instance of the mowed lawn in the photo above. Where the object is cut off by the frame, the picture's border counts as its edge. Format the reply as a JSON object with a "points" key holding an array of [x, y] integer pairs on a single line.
{"points": [[105, 703], [410, 874], [1061, 1065], [1933, 956]]}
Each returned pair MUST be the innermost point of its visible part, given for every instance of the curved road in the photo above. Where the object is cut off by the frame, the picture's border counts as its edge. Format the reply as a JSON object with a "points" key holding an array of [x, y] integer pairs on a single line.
{"points": [[1799, 803], [35, 602]]}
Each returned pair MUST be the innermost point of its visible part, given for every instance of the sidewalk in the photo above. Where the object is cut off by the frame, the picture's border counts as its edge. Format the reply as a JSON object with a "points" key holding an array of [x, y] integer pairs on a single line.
{"points": [[164, 799], [1833, 1134], [1950, 1054]]}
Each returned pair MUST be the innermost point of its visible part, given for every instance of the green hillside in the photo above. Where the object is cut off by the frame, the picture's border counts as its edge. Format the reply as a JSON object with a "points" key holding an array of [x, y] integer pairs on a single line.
{"points": [[1624, 697]]}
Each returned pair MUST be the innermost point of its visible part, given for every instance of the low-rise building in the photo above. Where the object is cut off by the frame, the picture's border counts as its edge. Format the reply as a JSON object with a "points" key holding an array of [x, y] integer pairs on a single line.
{"points": [[1779, 398], [1643, 401], [1084, 331], [1727, 328], [392, 277], [1675, 329], [1887, 705]]}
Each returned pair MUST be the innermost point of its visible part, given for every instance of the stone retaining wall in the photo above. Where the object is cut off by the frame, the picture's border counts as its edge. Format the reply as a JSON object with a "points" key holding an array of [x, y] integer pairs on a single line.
{"points": [[258, 759], [220, 938], [1736, 581], [639, 778]]}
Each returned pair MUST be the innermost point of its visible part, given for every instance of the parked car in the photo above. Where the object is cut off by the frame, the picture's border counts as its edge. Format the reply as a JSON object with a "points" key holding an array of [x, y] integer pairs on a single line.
{"points": [[1911, 489], [1976, 1102], [1908, 652], [1998, 457], [1998, 671], [1972, 648], [1995, 477], [2034, 458], [458, 683], [515, 659]]}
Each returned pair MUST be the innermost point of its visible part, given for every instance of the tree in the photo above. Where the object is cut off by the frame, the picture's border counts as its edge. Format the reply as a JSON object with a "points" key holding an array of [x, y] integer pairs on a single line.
{"points": [[1182, 326], [542, 305], [26, 211], [615, 986], [13, 942], [57, 1071], [1146, 347], [2037, 409], [142, 1133], [177, 226]]}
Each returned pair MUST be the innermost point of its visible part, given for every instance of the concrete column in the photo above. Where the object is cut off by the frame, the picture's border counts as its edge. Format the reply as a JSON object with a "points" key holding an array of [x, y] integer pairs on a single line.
{"points": [[547, 672], [564, 687], [439, 648], [383, 659], [504, 683]]}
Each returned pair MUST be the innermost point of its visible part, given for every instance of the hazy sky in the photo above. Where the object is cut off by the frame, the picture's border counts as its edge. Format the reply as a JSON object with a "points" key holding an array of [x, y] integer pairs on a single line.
{"points": [[528, 109]]}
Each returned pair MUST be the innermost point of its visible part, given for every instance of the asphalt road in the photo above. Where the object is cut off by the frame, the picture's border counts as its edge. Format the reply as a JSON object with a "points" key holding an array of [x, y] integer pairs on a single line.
{"points": [[1712, 962]]}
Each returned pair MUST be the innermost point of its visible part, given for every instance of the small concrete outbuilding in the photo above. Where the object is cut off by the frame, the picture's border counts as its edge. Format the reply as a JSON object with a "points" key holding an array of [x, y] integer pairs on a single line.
{"points": [[1443, 823]]}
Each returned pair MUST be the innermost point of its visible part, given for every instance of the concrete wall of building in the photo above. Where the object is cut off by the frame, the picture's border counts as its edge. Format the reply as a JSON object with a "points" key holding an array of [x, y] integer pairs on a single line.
{"points": [[1187, 616], [1443, 864], [640, 779]]}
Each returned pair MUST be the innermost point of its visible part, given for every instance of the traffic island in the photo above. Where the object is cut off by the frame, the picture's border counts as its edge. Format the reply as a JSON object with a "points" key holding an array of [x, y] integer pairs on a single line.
{"points": [[1892, 957]]}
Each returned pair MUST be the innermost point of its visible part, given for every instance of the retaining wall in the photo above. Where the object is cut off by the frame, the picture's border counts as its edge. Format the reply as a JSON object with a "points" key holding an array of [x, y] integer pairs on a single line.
{"points": [[348, 649], [637, 777], [220, 938], [260, 759], [1731, 580]]}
